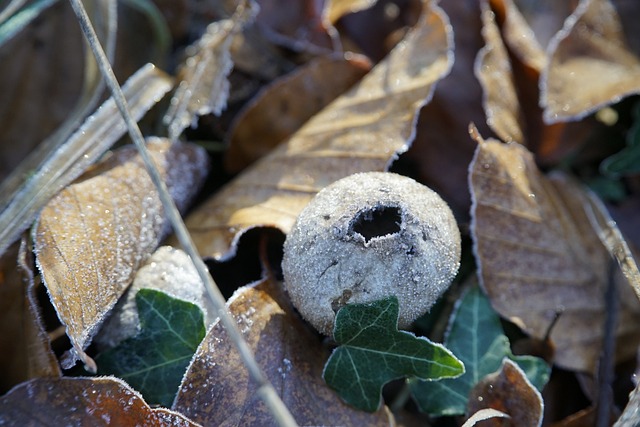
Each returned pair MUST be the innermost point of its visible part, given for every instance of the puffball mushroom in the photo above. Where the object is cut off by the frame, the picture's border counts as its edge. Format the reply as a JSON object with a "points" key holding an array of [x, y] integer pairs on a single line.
{"points": [[367, 237]]}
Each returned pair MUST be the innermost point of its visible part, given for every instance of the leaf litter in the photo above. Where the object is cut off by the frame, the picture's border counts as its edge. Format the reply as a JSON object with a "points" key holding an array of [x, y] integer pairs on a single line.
{"points": [[362, 130], [441, 152]]}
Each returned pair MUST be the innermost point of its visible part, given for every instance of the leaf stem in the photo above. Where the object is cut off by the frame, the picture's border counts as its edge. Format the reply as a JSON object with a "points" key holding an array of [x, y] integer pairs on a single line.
{"points": [[265, 389]]}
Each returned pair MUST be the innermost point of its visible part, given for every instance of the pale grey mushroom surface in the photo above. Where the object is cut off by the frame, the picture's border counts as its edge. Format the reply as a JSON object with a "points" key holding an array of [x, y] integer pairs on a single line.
{"points": [[366, 237]]}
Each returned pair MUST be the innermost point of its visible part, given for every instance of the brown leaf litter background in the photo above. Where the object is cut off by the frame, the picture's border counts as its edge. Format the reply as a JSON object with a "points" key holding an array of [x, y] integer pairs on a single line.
{"points": [[528, 74]]}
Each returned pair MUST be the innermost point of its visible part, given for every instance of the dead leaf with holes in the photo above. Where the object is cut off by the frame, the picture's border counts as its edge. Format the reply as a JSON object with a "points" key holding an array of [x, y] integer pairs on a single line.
{"points": [[594, 60], [283, 106], [510, 392], [539, 256], [362, 130], [82, 401], [91, 238], [217, 390]]}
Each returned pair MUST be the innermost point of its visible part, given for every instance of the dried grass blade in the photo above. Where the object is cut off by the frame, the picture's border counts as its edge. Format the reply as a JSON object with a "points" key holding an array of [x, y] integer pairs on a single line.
{"points": [[99, 131]]}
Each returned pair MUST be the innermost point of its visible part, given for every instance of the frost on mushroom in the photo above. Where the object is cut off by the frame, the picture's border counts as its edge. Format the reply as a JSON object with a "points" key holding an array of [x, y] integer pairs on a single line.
{"points": [[366, 237]]}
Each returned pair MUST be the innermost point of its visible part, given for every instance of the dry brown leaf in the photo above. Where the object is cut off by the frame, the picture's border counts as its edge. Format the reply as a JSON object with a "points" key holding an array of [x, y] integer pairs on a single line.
{"points": [[217, 390], [336, 9], [508, 391], [82, 402], [204, 87], [493, 70], [26, 348], [590, 62], [286, 104], [538, 255], [93, 235], [362, 130], [508, 68], [518, 35]]}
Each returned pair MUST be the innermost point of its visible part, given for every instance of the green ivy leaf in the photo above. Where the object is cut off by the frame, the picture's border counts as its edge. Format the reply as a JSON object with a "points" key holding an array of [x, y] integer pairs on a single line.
{"points": [[373, 352], [627, 160], [477, 338], [154, 361]]}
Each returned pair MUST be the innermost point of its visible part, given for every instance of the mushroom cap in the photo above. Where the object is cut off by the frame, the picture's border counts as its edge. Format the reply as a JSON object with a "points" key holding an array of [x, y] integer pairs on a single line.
{"points": [[367, 237]]}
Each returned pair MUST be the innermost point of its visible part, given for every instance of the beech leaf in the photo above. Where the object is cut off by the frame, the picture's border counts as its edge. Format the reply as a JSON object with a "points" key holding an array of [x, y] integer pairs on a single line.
{"points": [[476, 337], [284, 105], [509, 391], [591, 63], [82, 402], [91, 238], [153, 362], [539, 256], [373, 352], [362, 130], [217, 390], [204, 87]]}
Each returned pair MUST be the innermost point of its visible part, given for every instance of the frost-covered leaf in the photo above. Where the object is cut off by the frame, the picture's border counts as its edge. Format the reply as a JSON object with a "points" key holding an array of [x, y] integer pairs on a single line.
{"points": [[593, 61], [539, 256], [204, 87], [101, 401], [509, 391], [92, 237], [153, 362], [482, 415], [362, 130], [373, 352], [476, 337], [217, 389]]}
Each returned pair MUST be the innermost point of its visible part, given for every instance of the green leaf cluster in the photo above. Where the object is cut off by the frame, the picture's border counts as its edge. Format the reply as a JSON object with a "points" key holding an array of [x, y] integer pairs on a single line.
{"points": [[373, 352], [475, 336], [154, 361]]}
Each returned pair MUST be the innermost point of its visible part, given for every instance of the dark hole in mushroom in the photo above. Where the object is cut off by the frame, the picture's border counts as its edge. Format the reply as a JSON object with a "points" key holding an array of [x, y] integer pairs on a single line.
{"points": [[376, 222]]}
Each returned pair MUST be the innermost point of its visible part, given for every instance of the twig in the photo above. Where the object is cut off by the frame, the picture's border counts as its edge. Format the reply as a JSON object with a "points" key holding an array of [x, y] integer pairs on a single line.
{"points": [[265, 389]]}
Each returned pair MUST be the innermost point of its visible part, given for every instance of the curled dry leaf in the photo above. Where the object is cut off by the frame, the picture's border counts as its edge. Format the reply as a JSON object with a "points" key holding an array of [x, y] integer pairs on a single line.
{"points": [[362, 130], [216, 389], [482, 415], [91, 238], [508, 67], [284, 105], [27, 351], [591, 63], [493, 70], [204, 87], [508, 391], [82, 401], [336, 9], [538, 255]]}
